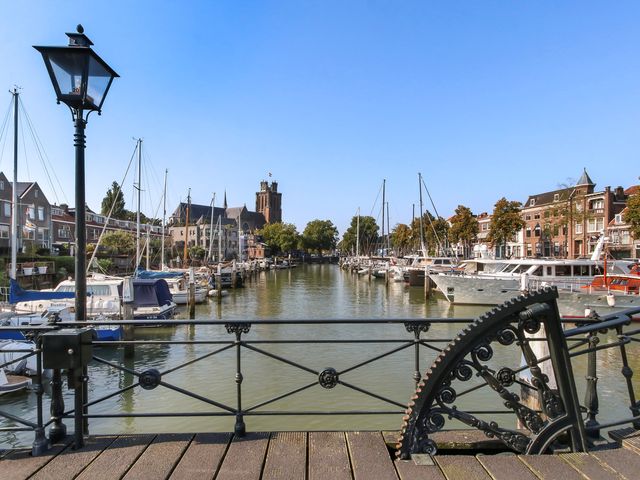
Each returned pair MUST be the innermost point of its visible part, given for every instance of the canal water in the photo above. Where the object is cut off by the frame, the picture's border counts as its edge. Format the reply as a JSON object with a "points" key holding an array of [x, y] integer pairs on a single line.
{"points": [[303, 293]]}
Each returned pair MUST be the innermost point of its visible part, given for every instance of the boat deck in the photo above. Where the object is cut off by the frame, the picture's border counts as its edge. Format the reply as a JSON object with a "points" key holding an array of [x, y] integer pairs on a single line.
{"points": [[300, 455]]}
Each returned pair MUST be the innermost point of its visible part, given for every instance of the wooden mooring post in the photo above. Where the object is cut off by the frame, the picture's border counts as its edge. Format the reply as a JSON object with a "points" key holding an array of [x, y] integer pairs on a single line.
{"points": [[192, 294], [128, 331]]}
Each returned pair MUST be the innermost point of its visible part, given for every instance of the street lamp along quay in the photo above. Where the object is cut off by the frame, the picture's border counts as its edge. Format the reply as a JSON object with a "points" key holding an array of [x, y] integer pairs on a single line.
{"points": [[81, 80]]}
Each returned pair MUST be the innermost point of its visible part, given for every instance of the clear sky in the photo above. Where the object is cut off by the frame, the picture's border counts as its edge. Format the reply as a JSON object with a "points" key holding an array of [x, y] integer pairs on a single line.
{"points": [[484, 98]]}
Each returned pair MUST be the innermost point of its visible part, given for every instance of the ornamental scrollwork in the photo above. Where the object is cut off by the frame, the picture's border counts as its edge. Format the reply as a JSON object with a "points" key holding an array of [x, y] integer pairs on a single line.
{"points": [[238, 327], [328, 378]]}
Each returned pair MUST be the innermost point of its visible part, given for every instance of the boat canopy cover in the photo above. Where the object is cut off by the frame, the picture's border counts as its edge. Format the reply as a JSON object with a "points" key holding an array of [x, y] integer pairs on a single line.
{"points": [[150, 292], [141, 273], [18, 294]]}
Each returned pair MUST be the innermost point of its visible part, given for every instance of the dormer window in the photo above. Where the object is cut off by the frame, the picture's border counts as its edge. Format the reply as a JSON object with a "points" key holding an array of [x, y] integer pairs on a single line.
{"points": [[532, 202], [556, 197], [35, 193], [618, 218]]}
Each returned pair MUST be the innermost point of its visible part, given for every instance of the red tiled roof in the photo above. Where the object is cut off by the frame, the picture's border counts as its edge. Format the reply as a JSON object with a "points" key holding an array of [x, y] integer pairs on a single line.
{"points": [[634, 190]]}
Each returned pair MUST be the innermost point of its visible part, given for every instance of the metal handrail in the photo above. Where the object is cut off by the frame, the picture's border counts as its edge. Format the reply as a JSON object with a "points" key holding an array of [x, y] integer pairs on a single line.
{"points": [[418, 339]]}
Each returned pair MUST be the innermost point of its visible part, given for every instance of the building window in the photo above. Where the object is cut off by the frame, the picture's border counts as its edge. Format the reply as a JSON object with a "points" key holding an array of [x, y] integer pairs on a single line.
{"points": [[4, 231], [536, 216], [556, 248], [527, 217], [578, 228], [529, 250], [41, 213], [536, 231], [595, 204], [1, 184], [7, 209], [595, 225], [31, 212], [532, 202], [618, 218], [527, 232], [35, 193], [556, 197]]}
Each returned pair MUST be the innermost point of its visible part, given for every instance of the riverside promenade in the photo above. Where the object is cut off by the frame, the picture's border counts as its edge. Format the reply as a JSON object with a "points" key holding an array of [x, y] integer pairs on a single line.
{"points": [[306, 455]]}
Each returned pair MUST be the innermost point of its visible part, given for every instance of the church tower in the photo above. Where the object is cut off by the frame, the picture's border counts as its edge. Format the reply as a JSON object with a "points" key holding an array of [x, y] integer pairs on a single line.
{"points": [[269, 202]]}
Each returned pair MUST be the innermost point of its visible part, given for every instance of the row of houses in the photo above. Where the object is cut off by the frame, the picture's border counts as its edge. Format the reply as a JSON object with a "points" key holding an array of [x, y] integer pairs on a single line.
{"points": [[567, 223], [46, 228]]}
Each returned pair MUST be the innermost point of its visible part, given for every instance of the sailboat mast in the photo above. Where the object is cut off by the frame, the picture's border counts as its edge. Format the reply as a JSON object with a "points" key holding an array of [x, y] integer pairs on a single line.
{"points": [[213, 206], [219, 239], [186, 230], [358, 234], [384, 183], [14, 194], [164, 217], [138, 258], [424, 253]]}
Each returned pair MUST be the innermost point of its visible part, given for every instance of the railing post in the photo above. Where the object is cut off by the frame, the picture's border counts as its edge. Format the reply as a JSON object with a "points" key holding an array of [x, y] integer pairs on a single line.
{"points": [[627, 373], [58, 430], [238, 329], [416, 328], [40, 442], [591, 394]]}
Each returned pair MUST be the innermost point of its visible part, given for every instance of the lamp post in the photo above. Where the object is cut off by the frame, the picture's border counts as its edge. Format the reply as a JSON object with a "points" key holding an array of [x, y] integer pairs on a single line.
{"points": [[81, 80]]}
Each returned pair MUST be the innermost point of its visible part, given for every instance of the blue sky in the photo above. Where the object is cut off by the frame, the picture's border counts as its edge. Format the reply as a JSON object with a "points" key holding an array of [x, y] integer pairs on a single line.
{"points": [[484, 98]]}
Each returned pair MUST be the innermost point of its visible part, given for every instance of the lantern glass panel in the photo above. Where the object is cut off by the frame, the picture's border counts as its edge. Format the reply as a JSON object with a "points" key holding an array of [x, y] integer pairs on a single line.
{"points": [[68, 69], [98, 81]]}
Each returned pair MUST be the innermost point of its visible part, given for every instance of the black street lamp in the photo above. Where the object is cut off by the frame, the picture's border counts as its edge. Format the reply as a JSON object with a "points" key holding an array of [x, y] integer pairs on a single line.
{"points": [[81, 80]]}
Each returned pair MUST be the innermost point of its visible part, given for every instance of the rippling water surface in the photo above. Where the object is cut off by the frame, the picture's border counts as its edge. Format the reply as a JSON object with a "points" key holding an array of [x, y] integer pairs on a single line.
{"points": [[303, 293]]}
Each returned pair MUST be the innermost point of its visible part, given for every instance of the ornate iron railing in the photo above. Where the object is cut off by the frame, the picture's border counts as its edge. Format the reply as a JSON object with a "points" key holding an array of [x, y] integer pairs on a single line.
{"points": [[415, 336]]}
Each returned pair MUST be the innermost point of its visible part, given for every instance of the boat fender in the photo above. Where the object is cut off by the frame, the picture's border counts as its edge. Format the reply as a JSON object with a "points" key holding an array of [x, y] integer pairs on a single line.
{"points": [[611, 300]]}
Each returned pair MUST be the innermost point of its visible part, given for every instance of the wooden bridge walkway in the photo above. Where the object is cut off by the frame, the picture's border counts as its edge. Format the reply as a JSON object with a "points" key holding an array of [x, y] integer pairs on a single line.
{"points": [[303, 455]]}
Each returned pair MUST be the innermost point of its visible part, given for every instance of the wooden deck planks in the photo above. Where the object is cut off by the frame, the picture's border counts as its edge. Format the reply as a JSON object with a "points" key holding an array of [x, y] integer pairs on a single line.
{"points": [[550, 467], [590, 466], [628, 437], [328, 456], [20, 464], [203, 457], [370, 458], [286, 457], [408, 470], [623, 461], [116, 459], [245, 457], [160, 457], [72, 462], [506, 467], [461, 467]]}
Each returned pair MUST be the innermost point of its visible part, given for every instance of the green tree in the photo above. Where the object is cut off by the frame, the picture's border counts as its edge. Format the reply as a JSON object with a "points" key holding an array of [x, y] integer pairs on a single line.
{"points": [[281, 237], [119, 242], [464, 228], [632, 215], [367, 233], [320, 235], [197, 252], [434, 232], [401, 238], [505, 222], [113, 197]]}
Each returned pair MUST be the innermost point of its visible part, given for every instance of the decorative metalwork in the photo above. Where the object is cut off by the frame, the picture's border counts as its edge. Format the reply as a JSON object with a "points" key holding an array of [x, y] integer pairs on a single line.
{"points": [[328, 378], [417, 327], [238, 327], [512, 324], [150, 379]]}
